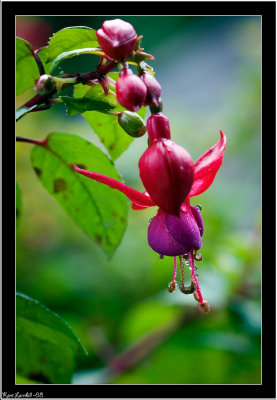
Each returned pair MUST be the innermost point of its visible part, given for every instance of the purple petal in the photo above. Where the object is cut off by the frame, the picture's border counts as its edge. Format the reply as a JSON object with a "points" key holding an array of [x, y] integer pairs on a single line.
{"points": [[198, 218], [185, 230], [159, 238]]}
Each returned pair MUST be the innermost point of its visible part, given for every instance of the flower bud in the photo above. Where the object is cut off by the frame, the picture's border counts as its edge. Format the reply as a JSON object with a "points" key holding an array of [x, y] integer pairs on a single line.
{"points": [[167, 173], [153, 89], [117, 38], [158, 127], [132, 123], [44, 85], [130, 90]]}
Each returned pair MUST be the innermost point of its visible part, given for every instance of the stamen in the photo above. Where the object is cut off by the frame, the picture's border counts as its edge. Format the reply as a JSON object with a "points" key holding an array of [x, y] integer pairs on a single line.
{"points": [[172, 284], [194, 277], [185, 289]]}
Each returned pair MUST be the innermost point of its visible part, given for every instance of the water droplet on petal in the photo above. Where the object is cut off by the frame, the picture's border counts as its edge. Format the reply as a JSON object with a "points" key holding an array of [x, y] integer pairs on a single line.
{"points": [[199, 207]]}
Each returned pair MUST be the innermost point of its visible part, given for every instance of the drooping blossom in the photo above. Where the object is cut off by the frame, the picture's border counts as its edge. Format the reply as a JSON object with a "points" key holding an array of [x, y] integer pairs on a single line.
{"points": [[176, 235]]}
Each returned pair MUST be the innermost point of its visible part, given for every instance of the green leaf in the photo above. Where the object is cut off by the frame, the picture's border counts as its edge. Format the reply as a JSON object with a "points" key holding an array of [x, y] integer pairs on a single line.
{"points": [[20, 112], [106, 127], [73, 53], [98, 210], [71, 38], [18, 204], [45, 344], [21, 380], [26, 67], [94, 99]]}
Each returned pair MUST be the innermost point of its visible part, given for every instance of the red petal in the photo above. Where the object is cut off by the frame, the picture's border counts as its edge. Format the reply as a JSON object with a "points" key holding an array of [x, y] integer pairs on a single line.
{"points": [[206, 167], [135, 196]]}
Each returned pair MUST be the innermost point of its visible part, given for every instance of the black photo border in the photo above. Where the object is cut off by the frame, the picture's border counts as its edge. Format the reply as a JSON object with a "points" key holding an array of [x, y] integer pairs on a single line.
{"points": [[266, 9]]}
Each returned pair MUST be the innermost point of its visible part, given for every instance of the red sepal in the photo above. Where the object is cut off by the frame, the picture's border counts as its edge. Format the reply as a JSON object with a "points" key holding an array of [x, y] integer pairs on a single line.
{"points": [[207, 166], [139, 198]]}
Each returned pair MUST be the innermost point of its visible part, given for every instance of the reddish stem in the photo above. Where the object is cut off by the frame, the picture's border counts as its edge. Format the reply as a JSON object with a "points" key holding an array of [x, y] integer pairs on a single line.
{"points": [[31, 141]]}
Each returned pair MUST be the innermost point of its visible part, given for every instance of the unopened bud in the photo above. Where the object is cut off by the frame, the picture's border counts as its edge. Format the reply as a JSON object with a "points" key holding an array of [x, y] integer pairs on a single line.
{"points": [[132, 123], [117, 38], [153, 89], [130, 90], [204, 306], [44, 85]]}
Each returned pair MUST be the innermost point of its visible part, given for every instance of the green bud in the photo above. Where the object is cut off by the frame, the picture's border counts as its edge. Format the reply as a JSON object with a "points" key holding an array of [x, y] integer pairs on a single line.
{"points": [[44, 85], [132, 123]]}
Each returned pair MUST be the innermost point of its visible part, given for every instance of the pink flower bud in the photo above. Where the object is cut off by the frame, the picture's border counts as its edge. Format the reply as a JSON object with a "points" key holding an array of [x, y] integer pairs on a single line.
{"points": [[167, 172], [153, 89], [158, 127], [117, 38], [130, 90]]}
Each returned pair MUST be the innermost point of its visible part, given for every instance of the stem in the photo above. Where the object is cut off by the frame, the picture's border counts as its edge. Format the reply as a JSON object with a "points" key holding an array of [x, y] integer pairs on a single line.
{"points": [[31, 141], [37, 99], [39, 62], [72, 80]]}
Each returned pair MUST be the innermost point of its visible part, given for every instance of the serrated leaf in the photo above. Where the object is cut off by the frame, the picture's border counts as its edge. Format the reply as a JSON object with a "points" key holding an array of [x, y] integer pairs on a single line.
{"points": [[98, 210], [26, 67], [73, 53], [18, 204], [71, 38], [106, 127], [45, 343], [20, 112]]}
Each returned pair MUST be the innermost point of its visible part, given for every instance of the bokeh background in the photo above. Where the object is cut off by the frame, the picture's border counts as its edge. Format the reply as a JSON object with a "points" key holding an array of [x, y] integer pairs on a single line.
{"points": [[210, 71]]}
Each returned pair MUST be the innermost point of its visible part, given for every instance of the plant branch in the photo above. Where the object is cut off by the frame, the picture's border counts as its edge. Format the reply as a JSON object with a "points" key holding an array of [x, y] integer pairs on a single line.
{"points": [[31, 141], [39, 62]]}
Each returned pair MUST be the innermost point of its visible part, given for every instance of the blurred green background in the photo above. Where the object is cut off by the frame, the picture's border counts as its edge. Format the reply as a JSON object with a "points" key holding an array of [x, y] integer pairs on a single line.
{"points": [[209, 69]]}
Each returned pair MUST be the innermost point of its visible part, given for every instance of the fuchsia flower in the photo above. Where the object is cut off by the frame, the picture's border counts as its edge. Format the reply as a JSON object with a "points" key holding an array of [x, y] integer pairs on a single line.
{"points": [[172, 233]]}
